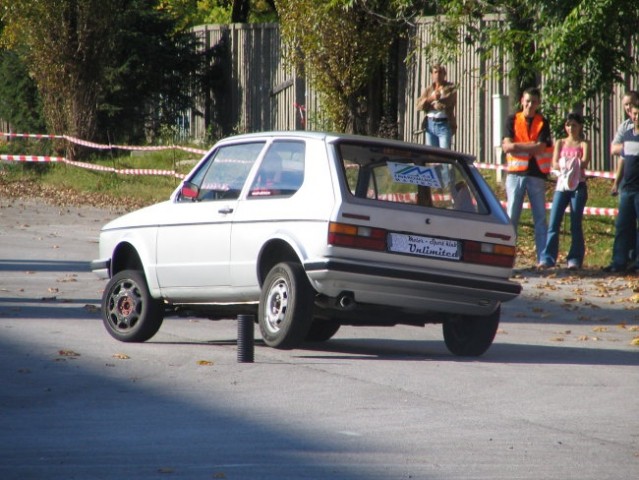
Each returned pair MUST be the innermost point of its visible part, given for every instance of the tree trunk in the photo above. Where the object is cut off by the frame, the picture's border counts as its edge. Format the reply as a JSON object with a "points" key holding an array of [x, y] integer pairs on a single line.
{"points": [[240, 11]]}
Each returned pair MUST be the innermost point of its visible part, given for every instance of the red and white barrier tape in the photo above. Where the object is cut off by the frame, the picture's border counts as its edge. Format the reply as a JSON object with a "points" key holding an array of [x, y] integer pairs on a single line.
{"points": [[611, 212], [30, 158], [101, 146], [124, 171], [38, 136], [90, 166], [602, 212]]}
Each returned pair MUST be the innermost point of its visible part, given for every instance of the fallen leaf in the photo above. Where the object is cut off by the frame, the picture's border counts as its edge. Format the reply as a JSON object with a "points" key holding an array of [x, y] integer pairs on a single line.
{"points": [[557, 339], [121, 356], [91, 308], [204, 362], [53, 290], [600, 329], [68, 353], [68, 278], [635, 342]]}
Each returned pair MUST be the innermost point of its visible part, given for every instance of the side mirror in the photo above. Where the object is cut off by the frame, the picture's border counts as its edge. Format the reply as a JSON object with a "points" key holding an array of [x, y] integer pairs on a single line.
{"points": [[189, 191]]}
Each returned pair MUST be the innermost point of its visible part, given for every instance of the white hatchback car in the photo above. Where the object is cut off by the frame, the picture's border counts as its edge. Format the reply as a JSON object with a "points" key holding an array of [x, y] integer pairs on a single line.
{"points": [[309, 231]]}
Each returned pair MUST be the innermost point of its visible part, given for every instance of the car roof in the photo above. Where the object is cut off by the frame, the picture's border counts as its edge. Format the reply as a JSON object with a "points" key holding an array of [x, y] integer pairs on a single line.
{"points": [[331, 137]]}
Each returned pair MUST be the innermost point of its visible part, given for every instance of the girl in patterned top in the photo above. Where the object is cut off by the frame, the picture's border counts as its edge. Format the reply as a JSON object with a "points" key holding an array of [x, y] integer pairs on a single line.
{"points": [[570, 159]]}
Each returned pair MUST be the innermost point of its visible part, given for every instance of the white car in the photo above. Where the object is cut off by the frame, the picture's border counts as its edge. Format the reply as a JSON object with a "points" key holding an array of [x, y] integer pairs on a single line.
{"points": [[309, 231]]}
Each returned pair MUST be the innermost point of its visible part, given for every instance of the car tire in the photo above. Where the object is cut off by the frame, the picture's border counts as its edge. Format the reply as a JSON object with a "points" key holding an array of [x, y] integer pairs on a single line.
{"points": [[471, 335], [286, 306], [322, 330], [129, 313]]}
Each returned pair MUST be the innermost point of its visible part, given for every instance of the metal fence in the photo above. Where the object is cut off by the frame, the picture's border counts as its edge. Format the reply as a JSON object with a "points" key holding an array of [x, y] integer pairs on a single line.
{"points": [[261, 93]]}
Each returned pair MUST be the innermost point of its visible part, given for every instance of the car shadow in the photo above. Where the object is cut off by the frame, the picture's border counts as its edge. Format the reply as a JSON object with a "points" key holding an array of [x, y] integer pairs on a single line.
{"points": [[395, 350], [509, 353]]}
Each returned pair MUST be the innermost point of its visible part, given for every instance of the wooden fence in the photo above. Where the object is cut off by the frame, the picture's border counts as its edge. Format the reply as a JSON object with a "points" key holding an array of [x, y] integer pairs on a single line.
{"points": [[259, 92]]}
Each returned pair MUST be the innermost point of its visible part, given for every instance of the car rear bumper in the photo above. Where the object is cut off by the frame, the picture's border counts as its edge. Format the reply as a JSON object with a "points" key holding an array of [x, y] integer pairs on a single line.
{"points": [[410, 289]]}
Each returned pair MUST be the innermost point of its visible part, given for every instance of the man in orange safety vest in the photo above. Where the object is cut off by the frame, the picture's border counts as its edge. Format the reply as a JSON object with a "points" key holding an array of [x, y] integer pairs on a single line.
{"points": [[527, 144]]}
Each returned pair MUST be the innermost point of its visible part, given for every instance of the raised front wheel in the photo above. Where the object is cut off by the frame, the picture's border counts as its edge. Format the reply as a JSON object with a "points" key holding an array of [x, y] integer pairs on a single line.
{"points": [[129, 313]]}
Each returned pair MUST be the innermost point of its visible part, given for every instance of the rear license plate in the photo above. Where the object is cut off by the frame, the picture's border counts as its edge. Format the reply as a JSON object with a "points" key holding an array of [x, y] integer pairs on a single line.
{"points": [[424, 246]]}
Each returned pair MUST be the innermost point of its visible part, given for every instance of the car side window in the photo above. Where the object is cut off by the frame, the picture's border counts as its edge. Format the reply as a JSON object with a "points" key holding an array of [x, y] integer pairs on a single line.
{"points": [[224, 174], [281, 172]]}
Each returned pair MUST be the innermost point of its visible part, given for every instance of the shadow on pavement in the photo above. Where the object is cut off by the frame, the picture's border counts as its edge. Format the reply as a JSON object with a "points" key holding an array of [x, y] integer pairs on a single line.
{"points": [[26, 265]]}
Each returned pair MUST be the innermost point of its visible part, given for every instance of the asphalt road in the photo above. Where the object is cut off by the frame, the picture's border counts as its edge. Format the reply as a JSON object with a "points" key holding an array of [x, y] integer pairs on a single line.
{"points": [[556, 397]]}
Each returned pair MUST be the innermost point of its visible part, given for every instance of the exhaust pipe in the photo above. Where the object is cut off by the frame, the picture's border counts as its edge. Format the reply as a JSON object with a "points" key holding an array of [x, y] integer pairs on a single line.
{"points": [[345, 301]]}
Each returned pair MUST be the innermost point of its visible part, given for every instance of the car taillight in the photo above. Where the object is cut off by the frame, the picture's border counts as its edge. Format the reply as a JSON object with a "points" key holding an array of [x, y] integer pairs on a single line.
{"points": [[489, 254], [356, 236]]}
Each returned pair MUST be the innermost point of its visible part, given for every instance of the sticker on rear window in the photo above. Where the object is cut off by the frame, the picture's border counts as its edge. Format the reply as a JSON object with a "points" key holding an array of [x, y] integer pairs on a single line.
{"points": [[414, 174]]}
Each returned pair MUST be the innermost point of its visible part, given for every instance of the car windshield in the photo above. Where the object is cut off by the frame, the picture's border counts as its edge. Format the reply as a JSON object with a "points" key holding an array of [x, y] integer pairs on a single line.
{"points": [[408, 176]]}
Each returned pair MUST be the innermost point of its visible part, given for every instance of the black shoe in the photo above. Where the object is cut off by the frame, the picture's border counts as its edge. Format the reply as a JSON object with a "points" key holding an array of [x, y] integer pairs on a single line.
{"points": [[632, 269], [612, 269]]}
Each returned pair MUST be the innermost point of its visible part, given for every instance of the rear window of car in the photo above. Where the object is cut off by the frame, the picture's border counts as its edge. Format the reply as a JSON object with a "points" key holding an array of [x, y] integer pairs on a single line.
{"points": [[406, 176]]}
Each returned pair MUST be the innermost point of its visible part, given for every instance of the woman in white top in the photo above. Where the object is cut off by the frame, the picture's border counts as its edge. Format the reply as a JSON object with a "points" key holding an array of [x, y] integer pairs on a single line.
{"points": [[571, 157]]}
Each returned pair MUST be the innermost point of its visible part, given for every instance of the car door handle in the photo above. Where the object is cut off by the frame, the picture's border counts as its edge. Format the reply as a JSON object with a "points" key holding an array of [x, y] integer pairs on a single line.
{"points": [[225, 209]]}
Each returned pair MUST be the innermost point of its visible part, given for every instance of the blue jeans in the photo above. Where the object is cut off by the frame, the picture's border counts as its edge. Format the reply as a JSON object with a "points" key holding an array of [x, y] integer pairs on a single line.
{"points": [[577, 200], [438, 134], [625, 228], [517, 186]]}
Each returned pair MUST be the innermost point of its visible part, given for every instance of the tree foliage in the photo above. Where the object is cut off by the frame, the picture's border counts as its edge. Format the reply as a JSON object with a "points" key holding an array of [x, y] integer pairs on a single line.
{"points": [[190, 13], [64, 49], [100, 64], [589, 49], [574, 50], [339, 45], [19, 99]]}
